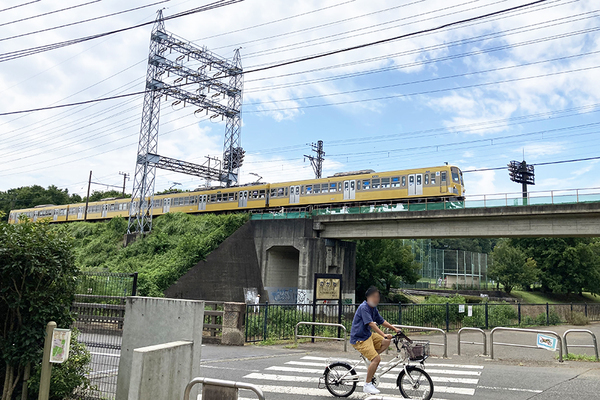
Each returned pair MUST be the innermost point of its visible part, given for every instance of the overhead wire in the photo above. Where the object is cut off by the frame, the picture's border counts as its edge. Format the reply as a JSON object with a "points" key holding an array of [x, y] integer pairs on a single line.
{"points": [[19, 5], [50, 12]]}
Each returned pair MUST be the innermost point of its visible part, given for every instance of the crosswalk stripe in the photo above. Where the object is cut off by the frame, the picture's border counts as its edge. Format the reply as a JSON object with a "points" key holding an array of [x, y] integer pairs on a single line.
{"points": [[312, 392], [352, 362], [435, 378], [397, 369]]}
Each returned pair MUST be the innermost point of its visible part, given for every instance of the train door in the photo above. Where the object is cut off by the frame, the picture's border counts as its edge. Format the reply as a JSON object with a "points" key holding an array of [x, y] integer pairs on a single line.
{"points": [[202, 202], [55, 214], [79, 212], [294, 194], [243, 199], [349, 190], [419, 184], [412, 190], [35, 215], [166, 205], [104, 210]]}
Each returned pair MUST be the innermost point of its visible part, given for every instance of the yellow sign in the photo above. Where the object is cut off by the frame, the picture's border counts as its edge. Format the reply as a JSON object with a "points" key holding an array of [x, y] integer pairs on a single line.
{"points": [[61, 341], [328, 288]]}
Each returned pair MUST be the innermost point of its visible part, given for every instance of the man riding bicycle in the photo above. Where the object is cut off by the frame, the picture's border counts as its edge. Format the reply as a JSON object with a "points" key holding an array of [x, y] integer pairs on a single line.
{"points": [[367, 338]]}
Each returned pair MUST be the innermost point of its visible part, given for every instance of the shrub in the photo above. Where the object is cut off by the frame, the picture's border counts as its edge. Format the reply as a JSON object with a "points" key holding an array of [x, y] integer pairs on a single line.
{"points": [[578, 318]]}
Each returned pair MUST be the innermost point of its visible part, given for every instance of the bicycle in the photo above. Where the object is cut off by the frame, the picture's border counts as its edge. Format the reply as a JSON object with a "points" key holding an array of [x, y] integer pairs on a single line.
{"points": [[340, 378]]}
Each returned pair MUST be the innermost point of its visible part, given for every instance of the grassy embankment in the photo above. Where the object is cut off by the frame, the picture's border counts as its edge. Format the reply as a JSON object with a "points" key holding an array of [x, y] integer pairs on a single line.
{"points": [[178, 241]]}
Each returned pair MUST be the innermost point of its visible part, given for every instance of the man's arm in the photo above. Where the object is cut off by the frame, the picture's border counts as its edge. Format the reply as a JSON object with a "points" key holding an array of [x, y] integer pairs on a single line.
{"points": [[375, 328], [390, 326]]}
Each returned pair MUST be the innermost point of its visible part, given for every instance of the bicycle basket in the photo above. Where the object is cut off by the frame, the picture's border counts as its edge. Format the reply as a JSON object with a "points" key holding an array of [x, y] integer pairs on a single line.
{"points": [[418, 349]]}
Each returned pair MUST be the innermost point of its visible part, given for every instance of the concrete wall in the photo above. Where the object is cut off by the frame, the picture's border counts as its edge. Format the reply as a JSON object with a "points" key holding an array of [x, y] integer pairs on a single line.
{"points": [[280, 255], [154, 321], [161, 372]]}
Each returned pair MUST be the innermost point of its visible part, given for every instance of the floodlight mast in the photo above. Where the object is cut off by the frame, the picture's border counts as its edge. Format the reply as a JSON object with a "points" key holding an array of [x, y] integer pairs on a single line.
{"points": [[225, 82], [521, 172]]}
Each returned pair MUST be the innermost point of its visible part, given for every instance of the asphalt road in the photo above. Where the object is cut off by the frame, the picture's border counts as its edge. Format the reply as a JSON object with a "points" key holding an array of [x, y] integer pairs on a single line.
{"points": [[293, 374]]}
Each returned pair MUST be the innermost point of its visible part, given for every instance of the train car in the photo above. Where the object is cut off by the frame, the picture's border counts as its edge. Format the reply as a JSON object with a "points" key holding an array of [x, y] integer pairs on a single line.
{"points": [[367, 186], [434, 183]]}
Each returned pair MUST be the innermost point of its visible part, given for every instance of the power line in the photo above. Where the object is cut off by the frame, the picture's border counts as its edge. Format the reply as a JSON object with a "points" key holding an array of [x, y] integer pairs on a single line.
{"points": [[309, 58], [20, 5], [537, 164], [50, 12], [83, 21]]}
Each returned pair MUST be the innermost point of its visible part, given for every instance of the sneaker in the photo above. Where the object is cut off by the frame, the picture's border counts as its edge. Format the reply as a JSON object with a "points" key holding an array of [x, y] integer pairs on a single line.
{"points": [[369, 388]]}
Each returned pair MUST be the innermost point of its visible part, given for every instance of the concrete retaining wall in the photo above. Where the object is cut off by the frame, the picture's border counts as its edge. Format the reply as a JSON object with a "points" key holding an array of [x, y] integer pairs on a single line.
{"points": [[155, 321], [161, 372]]}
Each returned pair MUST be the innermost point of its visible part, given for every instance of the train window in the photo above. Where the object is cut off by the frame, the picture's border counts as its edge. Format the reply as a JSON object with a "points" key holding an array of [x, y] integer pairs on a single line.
{"points": [[255, 194], [403, 181], [443, 176], [176, 201], [187, 201], [231, 196], [427, 179], [366, 184], [308, 189], [273, 193], [395, 181], [286, 191], [219, 197], [433, 179], [325, 188], [262, 193], [317, 189], [213, 198], [301, 189], [376, 183]]}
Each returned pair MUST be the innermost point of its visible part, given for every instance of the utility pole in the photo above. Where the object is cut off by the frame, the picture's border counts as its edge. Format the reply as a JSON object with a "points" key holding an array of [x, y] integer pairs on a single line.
{"points": [[87, 199], [317, 161], [125, 177]]}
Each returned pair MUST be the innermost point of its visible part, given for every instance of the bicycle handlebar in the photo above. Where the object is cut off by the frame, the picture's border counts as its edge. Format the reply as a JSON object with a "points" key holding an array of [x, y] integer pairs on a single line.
{"points": [[400, 335]]}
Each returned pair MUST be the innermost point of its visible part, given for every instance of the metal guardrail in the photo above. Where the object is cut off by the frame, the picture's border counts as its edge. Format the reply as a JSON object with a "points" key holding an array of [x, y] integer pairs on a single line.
{"points": [[426, 328], [222, 383], [556, 335], [595, 345], [345, 339], [484, 343]]}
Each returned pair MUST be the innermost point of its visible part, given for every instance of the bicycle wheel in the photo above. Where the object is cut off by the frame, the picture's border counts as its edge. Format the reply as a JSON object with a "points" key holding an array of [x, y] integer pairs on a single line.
{"points": [[340, 379], [420, 387]]}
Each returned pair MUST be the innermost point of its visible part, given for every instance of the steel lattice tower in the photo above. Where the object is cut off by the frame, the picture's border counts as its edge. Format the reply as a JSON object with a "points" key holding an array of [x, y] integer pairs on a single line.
{"points": [[140, 214], [226, 83]]}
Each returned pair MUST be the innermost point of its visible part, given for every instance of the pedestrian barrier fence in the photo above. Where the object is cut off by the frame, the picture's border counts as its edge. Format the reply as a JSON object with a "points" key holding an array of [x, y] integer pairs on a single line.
{"points": [[484, 343], [345, 339], [221, 383], [595, 345], [556, 335], [425, 328]]}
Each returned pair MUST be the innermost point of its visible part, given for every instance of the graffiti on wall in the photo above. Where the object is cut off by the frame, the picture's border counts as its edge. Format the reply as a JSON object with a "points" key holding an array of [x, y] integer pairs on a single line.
{"points": [[280, 295], [305, 296]]}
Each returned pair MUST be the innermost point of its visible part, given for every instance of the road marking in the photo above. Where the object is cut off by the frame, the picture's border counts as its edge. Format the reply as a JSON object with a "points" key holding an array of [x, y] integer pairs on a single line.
{"points": [[468, 381], [509, 389], [228, 368], [397, 369], [355, 360], [312, 392]]}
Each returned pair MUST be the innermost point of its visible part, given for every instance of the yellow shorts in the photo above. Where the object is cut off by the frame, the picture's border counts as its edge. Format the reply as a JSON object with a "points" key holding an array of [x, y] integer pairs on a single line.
{"points": [[370, 347]]}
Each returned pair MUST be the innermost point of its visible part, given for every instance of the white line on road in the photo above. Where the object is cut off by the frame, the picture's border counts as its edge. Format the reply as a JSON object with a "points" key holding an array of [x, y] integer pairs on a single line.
{"points": [[428, 364], [312, 392], [435, 378], [228, 368], [398, 369], [509, 389]]}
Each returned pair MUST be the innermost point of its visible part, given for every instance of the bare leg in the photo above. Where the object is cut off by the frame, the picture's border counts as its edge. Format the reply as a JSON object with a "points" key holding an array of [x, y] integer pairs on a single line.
{"points": [[385, 343], [372, 368]]}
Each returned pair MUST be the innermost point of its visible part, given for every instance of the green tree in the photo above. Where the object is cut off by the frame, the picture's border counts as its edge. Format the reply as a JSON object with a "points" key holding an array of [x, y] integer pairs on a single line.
{"points": [[30, 196], [511, 267], [37, 285], [476, 245], [98, 195], [384, 263], [566, 265]]}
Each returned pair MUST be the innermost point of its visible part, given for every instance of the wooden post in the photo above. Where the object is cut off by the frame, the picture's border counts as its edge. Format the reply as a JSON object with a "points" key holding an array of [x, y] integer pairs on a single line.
{"points": [[46, 366]]}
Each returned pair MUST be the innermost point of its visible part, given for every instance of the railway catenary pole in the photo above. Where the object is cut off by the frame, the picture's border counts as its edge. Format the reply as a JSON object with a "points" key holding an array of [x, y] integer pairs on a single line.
{"points": [[317, 161], [87, 199]]}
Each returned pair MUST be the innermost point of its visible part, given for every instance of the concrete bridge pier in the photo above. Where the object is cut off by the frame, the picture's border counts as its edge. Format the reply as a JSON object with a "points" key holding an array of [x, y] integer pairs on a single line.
{"points": [[277, 257]]}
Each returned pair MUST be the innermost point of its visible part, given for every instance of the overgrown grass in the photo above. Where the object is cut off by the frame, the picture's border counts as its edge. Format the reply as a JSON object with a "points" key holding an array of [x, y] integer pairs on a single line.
{"points": [[541, 298], [579, 357], [178, 241]]}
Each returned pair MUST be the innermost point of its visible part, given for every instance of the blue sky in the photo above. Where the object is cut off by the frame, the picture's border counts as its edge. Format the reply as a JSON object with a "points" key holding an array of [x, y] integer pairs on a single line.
{"points": [[476, 96]]}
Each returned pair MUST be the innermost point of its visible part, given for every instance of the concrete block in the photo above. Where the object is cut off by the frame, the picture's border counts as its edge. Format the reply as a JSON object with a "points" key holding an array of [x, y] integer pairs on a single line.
{"points": [[233, 324], [212, 392], [161, 372], [153, 321]]}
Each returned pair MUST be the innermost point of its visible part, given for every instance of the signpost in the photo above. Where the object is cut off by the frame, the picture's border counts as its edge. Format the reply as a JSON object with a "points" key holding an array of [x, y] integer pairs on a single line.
{"points": [[327, 287], [56, 350], [61, 341]]}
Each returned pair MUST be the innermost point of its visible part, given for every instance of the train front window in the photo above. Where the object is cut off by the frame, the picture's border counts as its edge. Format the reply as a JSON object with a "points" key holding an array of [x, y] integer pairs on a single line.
{"points": [[455, 176]]}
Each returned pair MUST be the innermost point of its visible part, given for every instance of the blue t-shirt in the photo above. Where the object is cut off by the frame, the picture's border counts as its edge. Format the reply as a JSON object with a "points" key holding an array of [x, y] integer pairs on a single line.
{"points": [[364, 315]]}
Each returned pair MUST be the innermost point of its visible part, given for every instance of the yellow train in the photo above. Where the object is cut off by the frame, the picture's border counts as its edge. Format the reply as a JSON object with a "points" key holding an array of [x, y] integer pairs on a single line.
{"points": [[360, 187]]}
